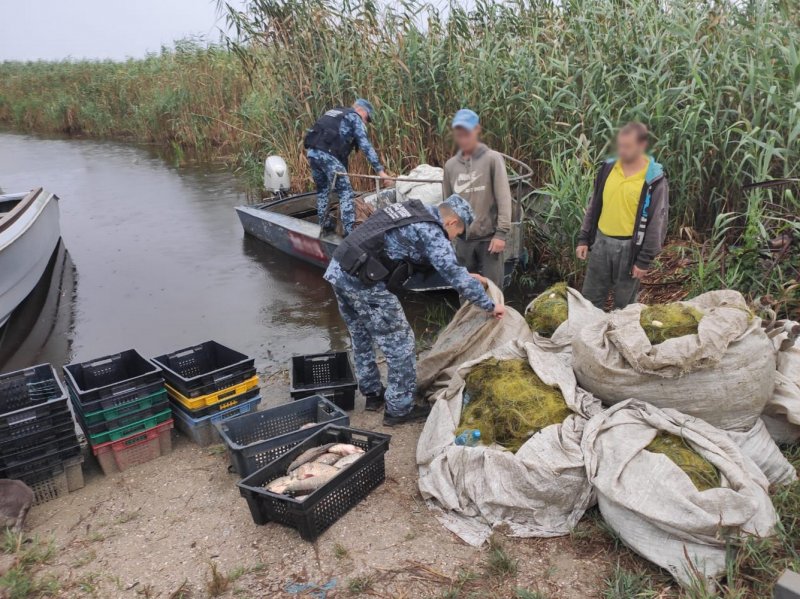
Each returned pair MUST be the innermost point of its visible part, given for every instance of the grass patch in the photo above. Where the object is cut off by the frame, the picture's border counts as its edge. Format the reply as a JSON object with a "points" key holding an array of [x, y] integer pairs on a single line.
{"points": [[361, 584], [217, 582], [626, 584], [498, 562], [340, 551]]}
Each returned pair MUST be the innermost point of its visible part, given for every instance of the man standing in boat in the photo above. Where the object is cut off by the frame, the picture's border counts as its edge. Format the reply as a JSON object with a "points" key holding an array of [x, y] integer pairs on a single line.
{"points": [[478, 174], [366, 271], [328, 145]]}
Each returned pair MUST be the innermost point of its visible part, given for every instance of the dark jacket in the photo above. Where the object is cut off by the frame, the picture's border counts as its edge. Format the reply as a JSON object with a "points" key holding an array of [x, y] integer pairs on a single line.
{"points": [[650, 227]]}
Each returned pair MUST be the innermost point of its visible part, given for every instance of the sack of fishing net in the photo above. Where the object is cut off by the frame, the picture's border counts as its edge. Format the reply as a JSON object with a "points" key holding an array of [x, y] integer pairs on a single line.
{"points": [[707, 357], [556, 316], [782, 412], [470, 334], [674, 488], [758, 445], [527, 474]]}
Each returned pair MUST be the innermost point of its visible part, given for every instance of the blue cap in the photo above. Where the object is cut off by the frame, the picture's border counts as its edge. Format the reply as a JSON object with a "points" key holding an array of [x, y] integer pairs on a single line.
{"points": [[462, 209], [366, 105], [467, 119]]}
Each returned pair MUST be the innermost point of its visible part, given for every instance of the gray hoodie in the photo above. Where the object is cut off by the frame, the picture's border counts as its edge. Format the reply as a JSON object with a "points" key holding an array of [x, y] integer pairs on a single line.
{"points": [[482, 180]]}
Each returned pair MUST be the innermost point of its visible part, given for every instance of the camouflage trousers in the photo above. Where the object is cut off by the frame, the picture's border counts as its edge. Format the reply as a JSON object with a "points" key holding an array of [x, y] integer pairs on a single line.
{"points": [[374, 316], [324, 167]]}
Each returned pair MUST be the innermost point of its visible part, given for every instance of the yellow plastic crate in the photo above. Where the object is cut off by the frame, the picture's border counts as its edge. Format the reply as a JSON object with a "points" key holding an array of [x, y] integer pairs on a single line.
{"points": [[212, 399]]}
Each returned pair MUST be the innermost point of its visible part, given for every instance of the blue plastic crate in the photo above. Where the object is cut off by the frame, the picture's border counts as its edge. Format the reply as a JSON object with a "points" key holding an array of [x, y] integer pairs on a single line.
{"points": [[256, 439], [202, 430]]}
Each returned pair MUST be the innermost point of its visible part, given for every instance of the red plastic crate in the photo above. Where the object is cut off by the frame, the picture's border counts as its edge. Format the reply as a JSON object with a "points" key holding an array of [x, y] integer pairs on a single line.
{"points": [[117, 456]]}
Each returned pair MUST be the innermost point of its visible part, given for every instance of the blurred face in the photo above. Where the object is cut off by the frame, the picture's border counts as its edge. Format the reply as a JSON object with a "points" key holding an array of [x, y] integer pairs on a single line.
{"points": [[629, 148], [466, 140], [453, 226], [362, 112]]}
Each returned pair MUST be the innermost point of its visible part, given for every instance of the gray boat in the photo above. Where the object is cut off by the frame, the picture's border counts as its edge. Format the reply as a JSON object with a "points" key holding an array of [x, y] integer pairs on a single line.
{"points": [[289, 223]]}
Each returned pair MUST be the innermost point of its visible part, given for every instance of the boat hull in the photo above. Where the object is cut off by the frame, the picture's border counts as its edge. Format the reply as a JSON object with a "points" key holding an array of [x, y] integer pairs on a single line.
{"points": [[26, 246]]}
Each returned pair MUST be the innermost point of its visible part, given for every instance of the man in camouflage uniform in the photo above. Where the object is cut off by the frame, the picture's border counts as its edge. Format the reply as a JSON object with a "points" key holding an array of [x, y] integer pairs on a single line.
{"points": [[328, 145], [363, 273]]}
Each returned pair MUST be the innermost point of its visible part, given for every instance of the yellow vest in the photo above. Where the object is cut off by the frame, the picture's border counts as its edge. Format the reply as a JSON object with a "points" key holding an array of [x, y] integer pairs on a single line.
{"points": [[621, 196]]}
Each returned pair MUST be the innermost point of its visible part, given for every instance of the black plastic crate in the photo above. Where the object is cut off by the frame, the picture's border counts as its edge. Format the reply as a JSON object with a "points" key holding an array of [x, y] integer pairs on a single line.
{"points": [[19, 428], [312, 516], [29, 387], [330, 375], [205, 368], [254, 440], [50, 458], [15, 445], [64, 441], [123, 375]]}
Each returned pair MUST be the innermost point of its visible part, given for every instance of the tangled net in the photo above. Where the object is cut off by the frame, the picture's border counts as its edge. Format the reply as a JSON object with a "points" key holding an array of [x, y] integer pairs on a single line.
{"points": [[548, 310], [508, 403], [702, 473], [667, 321]]}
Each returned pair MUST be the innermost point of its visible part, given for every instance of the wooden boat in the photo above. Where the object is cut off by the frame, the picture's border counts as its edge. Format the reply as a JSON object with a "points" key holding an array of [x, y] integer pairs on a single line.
{"points": [[29, 234], [289, 223]]}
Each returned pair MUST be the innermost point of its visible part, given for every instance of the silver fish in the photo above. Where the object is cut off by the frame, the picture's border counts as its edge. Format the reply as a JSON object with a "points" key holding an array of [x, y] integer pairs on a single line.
{"points": [[312, 483], [279, 484], [307, 425], [309, 455], [312, 469], [347, 460], [344, 449], [328, 459]]}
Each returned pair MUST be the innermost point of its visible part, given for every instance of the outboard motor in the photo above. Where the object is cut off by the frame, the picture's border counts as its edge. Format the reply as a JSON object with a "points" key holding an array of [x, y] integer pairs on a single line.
{"points": [[276, 175]]}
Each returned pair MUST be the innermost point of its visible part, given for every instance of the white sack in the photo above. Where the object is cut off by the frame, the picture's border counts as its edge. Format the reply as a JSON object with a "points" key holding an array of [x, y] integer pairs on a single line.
{"points": [[471, 333], [782, 412], [581, 313], [654, 506], [757, 444], [429, 194], [725, 374], [541, 491]]}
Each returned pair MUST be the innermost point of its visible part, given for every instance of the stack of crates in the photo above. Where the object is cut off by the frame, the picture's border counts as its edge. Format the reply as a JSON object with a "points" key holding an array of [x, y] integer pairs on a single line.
{"points": [[122, 406], [207, 384], [330, 375], [38, 442]]}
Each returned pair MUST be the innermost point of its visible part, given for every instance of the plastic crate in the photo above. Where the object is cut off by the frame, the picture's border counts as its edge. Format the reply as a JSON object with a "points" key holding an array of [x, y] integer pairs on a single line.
{"points": [[117, 456], [34, 432], [119, 401], [29, 387], [57, 480], [161, 406], [312, 516], [205, 368], [122, 375], [330, 375], [55, 442], [48, 458], [217, 400], [127, 430], [202, 431], [254, 440]]}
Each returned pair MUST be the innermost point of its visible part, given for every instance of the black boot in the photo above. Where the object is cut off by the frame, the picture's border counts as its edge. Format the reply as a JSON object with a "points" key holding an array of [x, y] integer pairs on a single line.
{"points": [[417, 414], [374, 400]]}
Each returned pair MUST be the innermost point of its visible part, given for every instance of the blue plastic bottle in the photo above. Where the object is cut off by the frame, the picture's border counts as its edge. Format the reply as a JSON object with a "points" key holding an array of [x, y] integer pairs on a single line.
{"points": [[470, 438]]}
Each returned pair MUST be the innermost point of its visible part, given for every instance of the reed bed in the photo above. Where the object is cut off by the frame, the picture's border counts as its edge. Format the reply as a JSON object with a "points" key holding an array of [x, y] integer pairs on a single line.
{"points": [[717, 81]]}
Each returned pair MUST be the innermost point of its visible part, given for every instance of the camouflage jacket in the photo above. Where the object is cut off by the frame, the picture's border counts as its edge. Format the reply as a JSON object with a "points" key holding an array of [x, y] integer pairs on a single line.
{"points": [[421, 243]]}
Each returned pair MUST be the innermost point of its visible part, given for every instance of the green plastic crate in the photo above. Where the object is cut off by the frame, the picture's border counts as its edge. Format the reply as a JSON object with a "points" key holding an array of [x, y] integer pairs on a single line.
{"points": [[122, 410], [130, 429]]}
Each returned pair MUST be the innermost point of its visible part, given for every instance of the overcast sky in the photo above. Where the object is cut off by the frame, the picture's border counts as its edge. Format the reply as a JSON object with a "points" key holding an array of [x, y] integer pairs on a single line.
{"points": [[117, 29]]}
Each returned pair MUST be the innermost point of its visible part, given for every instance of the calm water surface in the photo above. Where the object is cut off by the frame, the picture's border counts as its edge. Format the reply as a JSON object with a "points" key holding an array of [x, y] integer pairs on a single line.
{"points": [[161, 261]]}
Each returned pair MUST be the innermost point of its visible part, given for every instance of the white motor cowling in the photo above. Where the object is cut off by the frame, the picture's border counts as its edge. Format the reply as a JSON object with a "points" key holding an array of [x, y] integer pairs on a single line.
{"points": [[276, 175]]}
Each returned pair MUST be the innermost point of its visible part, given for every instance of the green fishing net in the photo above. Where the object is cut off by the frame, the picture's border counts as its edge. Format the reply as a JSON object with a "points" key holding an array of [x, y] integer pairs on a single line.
{"points": [[548, 310], [702, 473], [508, 403], [667, 321]]}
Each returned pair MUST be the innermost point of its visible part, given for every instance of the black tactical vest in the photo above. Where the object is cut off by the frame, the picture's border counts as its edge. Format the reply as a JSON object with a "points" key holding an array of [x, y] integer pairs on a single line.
{"points": [[362, 253], [324, 135]]}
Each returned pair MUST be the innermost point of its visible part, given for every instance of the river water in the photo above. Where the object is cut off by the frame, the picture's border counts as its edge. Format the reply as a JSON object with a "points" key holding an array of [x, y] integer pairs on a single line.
{"points": [[161, 262]]}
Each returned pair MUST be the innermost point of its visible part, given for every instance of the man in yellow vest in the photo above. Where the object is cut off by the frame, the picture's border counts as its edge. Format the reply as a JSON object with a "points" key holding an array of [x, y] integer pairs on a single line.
{"points": [[626, 220]]}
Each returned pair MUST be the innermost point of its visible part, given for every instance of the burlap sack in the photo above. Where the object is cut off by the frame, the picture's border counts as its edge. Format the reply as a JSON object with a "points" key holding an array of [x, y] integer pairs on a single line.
{"points": [[757, 444], [471, 333], [540, 491], [782, 412], [725, 374], [654, 506]]}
